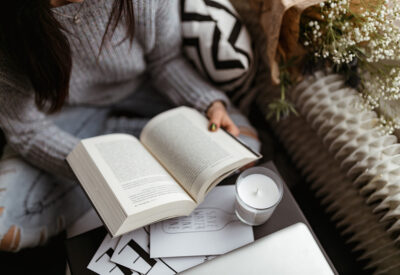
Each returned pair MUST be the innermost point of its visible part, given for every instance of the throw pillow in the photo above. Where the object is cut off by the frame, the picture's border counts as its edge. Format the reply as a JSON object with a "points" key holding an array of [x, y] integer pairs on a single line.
{"points": [[218, 44]]}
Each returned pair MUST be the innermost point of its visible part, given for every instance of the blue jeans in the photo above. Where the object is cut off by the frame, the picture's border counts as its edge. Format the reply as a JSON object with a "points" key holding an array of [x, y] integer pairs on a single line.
{"points": [[35, 205]]}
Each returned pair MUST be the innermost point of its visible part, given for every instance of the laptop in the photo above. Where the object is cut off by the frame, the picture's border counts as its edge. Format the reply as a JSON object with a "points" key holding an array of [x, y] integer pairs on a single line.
{"points": [[292, 250]]}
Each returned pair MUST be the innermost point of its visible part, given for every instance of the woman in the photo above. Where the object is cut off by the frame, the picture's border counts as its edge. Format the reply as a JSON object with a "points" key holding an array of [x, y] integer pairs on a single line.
{"points": [[74, 70]]}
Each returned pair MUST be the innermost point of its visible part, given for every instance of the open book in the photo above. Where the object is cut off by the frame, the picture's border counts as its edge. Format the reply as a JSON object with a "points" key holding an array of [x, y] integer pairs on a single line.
{"points": [[166, 174]]}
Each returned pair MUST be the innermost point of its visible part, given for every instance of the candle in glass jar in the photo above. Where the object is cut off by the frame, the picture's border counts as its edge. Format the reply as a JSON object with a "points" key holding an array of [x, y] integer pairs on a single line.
{"points": [[258, 191]]}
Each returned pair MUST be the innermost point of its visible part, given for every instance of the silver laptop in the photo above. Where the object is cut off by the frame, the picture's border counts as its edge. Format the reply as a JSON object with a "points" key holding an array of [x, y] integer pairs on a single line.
{"points": [[292, 250]]}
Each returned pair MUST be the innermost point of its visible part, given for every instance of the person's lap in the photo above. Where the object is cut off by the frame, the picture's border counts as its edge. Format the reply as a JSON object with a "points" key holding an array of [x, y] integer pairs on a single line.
{"points": [[35, 205]]}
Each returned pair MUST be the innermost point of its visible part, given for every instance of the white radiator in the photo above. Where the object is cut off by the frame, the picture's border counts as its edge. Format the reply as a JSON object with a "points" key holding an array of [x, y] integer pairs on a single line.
{"points": [[351, 164]]}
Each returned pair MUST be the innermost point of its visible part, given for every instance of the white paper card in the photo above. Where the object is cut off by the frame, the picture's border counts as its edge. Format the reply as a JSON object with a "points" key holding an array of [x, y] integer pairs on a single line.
{"points": [[101, 263], [212, 229], [132, 252]]}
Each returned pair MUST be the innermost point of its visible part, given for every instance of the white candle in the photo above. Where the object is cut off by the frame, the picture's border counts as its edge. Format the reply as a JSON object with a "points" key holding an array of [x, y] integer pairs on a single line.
{"points": [[258, 192]]}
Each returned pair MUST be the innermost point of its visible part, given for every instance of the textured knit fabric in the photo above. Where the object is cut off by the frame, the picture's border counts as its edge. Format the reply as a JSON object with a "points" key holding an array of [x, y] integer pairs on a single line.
{"points": [[97, 81]]}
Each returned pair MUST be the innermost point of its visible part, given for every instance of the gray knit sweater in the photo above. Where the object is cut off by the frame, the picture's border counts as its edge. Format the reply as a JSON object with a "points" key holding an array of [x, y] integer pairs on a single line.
{"points": [[156, 50]]}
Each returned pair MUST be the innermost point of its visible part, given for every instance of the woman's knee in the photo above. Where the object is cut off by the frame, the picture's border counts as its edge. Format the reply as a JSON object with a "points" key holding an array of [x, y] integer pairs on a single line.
{"points": [[11, 167], [18, 237], [34, 205], [10, 241]]}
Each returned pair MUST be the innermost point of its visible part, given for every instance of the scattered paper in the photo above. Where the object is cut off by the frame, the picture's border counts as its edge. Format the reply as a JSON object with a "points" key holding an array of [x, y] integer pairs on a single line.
{"points": [[101, 263], [132, 251], [212, 229]]}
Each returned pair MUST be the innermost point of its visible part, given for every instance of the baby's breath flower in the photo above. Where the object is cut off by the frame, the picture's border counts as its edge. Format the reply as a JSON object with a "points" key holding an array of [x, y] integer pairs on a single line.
{"points": [[371, 37]]}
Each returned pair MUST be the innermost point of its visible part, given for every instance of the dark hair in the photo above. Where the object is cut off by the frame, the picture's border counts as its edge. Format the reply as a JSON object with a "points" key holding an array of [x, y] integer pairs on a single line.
{"points": [[35, 42]]}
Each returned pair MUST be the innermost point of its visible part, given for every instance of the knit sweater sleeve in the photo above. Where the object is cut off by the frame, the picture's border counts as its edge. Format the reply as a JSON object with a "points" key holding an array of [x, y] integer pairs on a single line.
{"points": [[30, 133], [171, 73]]}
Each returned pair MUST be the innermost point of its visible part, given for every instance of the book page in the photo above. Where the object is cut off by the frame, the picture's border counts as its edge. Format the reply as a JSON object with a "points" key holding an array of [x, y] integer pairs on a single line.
{"points": [[179, 139], [138, 181]]}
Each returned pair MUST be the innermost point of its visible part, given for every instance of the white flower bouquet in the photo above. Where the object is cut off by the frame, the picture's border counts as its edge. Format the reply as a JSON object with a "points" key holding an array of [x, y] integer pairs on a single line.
{"points": [[359, 39]]}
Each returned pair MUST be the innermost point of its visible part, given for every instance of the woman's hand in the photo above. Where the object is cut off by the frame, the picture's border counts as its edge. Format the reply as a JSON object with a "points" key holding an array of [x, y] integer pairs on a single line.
{"points": [[218, 117]]}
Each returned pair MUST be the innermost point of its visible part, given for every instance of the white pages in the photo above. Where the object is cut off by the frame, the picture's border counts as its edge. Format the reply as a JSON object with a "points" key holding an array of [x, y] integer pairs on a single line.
{"points": [[129, 254], [166, 174]]}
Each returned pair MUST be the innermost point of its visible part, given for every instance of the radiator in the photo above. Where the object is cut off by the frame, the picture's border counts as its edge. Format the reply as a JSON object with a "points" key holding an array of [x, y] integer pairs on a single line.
{"points": [[353, 166]]}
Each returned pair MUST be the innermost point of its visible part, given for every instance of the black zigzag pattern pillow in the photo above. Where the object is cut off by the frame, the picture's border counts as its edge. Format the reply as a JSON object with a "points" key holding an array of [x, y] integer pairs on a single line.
{"points": [[218, 44]]}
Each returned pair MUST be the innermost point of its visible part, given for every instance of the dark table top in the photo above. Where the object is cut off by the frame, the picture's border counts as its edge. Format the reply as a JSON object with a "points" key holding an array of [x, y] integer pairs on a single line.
{"points": [[80, 249]]}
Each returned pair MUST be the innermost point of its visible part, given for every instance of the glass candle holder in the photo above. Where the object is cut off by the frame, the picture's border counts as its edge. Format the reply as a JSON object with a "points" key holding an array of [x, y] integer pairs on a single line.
{"points": [[258, 191]]}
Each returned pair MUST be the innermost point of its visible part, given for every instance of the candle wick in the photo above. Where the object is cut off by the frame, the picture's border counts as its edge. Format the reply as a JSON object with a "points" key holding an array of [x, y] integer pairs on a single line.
{"points": [[256, 191]]}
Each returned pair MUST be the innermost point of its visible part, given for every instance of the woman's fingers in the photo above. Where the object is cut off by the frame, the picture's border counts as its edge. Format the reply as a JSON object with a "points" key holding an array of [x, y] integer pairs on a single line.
{"points": [[215, 117], [228, 124], [218, 117]]}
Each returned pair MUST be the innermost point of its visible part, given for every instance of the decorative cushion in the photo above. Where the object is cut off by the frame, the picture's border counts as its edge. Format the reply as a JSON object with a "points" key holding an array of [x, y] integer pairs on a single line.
{"points": [[218, 44]]}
